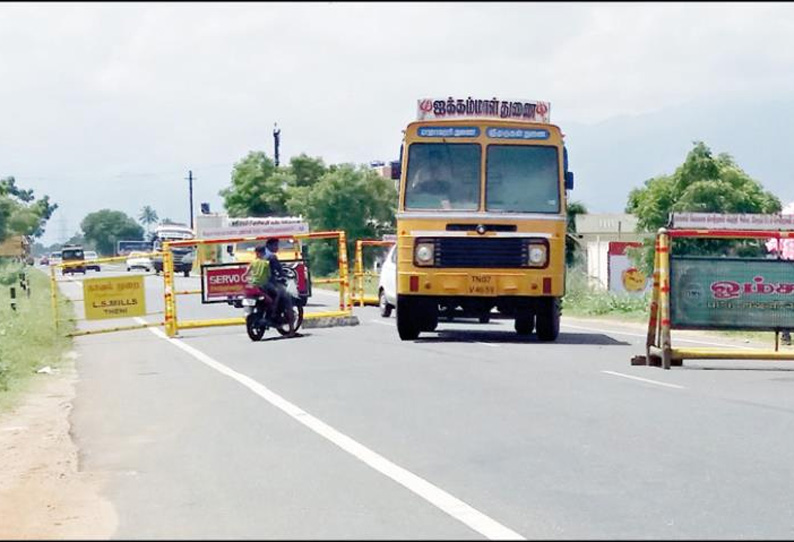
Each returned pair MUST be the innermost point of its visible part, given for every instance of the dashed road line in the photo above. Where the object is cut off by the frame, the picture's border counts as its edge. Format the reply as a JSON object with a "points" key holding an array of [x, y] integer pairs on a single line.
{"points": [[646, 380]]}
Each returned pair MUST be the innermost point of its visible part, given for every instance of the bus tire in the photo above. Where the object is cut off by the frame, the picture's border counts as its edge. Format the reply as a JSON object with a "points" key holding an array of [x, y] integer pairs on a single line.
{"points": [[548, 319], [407, 325], [525, 322], [429, 312]]}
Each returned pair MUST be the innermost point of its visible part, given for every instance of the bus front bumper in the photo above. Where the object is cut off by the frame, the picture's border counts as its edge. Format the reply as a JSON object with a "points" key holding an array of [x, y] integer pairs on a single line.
{"points": [[481, 283]]}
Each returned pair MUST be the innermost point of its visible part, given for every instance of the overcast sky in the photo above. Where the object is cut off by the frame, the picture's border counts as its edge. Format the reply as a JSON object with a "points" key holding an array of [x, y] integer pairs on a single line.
{"points": [[109, 105]]}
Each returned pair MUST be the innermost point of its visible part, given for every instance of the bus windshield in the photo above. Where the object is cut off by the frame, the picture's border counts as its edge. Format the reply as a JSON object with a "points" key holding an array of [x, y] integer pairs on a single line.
{"points": [[443, 176], [522, 179]]}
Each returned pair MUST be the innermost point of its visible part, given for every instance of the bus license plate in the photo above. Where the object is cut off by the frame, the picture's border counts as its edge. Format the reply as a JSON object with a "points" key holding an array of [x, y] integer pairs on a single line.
{"points": [[482, 285]]}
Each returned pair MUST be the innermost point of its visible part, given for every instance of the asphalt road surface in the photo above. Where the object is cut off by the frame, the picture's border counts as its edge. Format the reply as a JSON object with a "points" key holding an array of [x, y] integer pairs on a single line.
{"points": [[469, 432]]}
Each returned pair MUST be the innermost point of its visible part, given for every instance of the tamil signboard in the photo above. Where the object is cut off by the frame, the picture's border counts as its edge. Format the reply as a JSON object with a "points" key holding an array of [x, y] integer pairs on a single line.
{"points": [[717, 221], [458, 108], [222, 282], [256, 227], [114, 297], [731, 293]]}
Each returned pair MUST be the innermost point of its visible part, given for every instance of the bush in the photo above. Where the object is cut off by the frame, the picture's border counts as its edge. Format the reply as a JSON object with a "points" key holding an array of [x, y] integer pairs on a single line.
{"points": [[583, 297], [9, 271]]}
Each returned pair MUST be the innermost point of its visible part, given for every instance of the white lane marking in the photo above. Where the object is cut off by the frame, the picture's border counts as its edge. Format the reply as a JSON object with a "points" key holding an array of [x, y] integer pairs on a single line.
{"points": [[436, 496], [644, 380], [644, 335], [487, 344]]}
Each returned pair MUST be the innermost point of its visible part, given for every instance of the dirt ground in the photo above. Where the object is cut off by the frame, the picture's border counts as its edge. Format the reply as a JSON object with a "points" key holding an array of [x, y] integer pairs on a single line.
{"points": [[43, 494]]}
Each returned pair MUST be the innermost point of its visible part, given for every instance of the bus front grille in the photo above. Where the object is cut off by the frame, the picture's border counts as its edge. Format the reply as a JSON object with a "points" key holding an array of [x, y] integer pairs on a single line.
{"points": [[480, 252]]}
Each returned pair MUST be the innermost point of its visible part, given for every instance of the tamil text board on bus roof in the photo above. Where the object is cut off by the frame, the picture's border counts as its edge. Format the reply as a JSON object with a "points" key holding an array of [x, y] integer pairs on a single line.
{"points": [[494, 109]]}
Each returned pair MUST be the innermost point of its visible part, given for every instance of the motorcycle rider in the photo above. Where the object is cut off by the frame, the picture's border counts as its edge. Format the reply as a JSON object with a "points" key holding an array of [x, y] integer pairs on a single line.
{"points": [[275, 286]]}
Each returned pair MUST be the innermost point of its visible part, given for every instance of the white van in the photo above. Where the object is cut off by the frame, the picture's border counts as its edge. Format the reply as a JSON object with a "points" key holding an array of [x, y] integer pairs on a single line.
{"points": [[387, 285]]}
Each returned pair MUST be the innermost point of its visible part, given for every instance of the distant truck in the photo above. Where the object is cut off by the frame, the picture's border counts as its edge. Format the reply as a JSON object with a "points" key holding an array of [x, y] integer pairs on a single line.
{"points": [[124, 247], [183, 256]]}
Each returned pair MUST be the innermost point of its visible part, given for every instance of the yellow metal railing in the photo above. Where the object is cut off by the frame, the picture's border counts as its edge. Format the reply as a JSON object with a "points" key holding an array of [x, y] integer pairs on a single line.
{"points": [[659, 347], [172, 323], [84, 263], [359, 275]]}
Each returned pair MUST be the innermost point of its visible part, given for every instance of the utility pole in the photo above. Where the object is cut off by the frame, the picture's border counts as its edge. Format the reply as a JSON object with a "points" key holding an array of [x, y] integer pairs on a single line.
{"points": [[276, 138], [190, 184]]}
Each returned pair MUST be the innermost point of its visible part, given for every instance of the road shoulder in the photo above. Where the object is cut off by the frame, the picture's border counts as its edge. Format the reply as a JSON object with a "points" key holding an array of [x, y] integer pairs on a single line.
{"points": [[43, 494]]}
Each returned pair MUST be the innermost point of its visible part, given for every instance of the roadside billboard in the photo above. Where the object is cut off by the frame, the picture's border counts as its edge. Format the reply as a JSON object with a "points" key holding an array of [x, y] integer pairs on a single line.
{"points": [[731, 293], [624, 276]]}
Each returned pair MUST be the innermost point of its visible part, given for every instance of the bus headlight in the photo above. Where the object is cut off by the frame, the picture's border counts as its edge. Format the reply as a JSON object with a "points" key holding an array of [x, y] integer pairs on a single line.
{"points": [[538, 255], [424, 253]]}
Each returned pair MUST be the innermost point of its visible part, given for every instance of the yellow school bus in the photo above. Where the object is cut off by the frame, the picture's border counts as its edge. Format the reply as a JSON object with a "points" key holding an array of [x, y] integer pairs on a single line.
{"points": [[482, 216]]}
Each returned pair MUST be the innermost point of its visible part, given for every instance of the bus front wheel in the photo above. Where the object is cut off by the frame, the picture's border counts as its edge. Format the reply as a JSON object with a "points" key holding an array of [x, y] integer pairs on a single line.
{"points": [[548, 319], [407, 319]]}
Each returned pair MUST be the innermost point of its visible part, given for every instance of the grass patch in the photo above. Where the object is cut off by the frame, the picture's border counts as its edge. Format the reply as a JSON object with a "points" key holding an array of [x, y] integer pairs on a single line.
{"points": [[584, 299], [28, 340]]}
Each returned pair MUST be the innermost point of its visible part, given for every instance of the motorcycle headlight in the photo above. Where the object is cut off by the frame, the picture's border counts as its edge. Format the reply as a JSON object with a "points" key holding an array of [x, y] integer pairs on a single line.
{"points": [[424, 253], [537, 255]]}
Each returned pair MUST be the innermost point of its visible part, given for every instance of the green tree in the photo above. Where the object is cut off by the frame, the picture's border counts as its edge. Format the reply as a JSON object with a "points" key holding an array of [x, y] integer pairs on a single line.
{"points": [[148, 217], [305, 170], [105, 227], [572, 246], [352, 199], [258, 187], [706, 184], [20, 212]]}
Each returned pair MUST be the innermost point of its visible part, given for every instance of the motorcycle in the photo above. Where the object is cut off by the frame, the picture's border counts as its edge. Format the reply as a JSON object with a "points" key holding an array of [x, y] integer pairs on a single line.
{"points": [[257, 303]]}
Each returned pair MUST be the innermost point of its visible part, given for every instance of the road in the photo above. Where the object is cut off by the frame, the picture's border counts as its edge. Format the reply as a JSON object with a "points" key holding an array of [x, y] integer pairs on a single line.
{"points": [[466, 433]]}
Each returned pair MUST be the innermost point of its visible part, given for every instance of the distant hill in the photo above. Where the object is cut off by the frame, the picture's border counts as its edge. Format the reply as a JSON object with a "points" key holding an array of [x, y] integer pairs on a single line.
{"points": [[612, 157]]}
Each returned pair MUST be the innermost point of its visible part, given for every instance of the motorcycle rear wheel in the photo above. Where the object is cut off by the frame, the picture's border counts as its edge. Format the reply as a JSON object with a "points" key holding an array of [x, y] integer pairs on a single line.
{"points": [[288, 331]]}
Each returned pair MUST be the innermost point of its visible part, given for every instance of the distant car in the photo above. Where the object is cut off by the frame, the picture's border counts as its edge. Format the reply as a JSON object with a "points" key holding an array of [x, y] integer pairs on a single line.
{"points": [[73, 254], [55, 258], [45, 260], [387, 284], [138, 260], [90, 256]]}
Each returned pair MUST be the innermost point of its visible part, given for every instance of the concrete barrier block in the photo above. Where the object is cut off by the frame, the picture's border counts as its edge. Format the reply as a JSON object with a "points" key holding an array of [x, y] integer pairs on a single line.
{"points": [[330, 321]]}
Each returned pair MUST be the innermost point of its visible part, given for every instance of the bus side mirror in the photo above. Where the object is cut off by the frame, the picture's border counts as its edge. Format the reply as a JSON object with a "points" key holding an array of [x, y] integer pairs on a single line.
{"points": [[396, 168], [569, 180]]}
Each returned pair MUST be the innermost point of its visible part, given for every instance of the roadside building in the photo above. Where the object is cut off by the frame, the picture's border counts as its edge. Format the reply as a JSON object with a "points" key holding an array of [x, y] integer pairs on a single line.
{"points": [[604, 239]]}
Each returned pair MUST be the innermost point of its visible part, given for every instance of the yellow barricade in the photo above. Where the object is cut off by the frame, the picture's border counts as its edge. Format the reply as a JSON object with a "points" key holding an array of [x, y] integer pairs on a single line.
{"points": [[172, 322], [103, 298], [359, 275], [659, 348]]}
